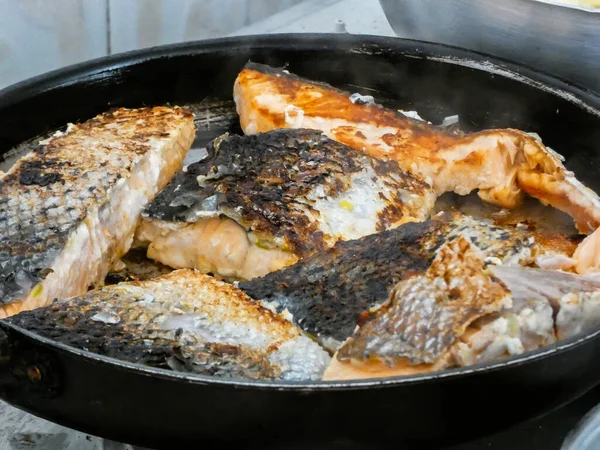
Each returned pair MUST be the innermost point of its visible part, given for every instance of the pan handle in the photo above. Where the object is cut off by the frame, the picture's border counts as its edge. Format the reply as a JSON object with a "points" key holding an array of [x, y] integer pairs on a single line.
{"points": [[586, 434]]}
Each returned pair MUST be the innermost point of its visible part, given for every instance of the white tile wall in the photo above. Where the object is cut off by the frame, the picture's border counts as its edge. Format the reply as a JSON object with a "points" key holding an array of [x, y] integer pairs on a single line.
{"points": [[144, 23], [320, 16], [40, 35]]}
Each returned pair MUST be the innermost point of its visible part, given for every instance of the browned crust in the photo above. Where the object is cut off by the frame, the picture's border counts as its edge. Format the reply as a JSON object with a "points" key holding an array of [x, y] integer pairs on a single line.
{"points": [[426, 315], [501, 164], [209, 292], [271, 183], [333, 105], [77, 172]]}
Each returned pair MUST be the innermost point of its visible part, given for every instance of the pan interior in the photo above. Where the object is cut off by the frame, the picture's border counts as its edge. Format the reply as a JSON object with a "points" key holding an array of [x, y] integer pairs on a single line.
{"points": [[434, 80]]}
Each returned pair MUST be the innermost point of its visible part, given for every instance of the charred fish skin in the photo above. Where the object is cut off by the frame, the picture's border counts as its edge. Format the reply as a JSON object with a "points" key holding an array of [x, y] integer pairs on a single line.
{"points": [[287, 192], [68, 209], [268, 183], [329, 293], [184, 321], [132, 343], [426, 314]]}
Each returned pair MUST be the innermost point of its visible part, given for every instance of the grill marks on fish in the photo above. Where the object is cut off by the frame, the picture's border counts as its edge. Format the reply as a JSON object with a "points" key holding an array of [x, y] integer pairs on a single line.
{"points": [[186, 321], [328, 293], [500, 165], [291, 192], [68, 208], [427, 313]]}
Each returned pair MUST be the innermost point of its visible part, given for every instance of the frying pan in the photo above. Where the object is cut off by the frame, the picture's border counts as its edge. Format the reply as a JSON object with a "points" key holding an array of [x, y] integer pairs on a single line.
{"points": [[558, 37], [162, 409]]}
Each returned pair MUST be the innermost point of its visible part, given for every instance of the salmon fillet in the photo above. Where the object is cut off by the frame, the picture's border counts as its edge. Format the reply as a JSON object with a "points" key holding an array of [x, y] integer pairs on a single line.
{"points": [[331, 293], [328, 294], [501, 164], [420, 328], [183, 321], [426, 314], [69, 209], [586, 257], [264, 202]]}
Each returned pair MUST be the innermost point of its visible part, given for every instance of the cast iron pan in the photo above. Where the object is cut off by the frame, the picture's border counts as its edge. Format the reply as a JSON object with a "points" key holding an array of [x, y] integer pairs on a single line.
{"points": [[162, 409]]}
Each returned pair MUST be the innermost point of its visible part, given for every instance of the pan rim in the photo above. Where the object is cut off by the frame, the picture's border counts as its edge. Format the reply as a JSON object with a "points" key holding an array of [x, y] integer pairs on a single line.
{"points": [[353, 43], [314, 386], [366, 44]]}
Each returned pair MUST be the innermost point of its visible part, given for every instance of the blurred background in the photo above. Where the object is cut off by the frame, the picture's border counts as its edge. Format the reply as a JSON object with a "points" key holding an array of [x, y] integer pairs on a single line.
{"points": [[561, 37], [41, 35]]}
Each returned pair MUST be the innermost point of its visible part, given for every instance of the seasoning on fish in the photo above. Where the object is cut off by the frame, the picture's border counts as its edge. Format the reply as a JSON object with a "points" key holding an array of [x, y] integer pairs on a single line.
{"points": [[68, 209], [426, 314], [264, 202], [185, 321], [328, 293], [500, 164]]}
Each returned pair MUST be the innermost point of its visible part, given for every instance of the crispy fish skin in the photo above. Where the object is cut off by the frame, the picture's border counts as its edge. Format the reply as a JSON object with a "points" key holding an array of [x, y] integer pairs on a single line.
{"points": [[501, 164], [547, 306], [328, 293], [184, 320], [137, 345], [68, 209], [416, 329], [552, 229], [279, 196], [426, 314]]}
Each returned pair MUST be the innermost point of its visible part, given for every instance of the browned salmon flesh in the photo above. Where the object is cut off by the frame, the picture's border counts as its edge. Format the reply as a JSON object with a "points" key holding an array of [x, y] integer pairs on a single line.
{"points": [[264, 202], [500, 164]]}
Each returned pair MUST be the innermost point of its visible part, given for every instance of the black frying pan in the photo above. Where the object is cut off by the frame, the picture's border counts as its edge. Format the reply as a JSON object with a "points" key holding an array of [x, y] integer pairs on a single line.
{"points": [[162, 409]]}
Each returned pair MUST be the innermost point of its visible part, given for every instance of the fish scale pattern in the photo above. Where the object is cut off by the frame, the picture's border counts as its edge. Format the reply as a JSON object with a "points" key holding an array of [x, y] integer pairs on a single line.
{"points": [[184, 321], [328, 293], [287, 186], [426, 314], [48, 192]]}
